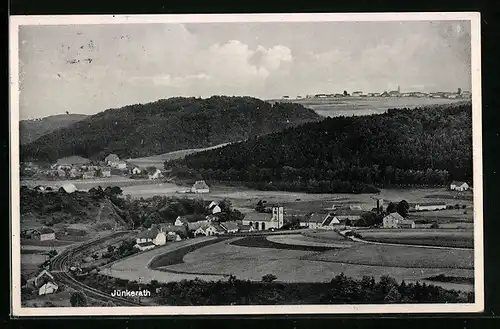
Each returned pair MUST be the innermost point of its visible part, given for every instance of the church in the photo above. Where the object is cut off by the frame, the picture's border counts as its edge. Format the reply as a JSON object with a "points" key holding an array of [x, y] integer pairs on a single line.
{"points": [[265, 221]]}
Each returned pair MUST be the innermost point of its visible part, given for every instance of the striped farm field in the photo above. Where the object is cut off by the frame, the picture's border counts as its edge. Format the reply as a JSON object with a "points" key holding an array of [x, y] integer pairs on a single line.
{"points": [[459, 238]]}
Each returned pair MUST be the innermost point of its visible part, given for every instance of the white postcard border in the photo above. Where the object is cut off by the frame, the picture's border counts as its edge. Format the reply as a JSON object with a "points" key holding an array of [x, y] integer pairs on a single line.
{"points": [[477, 306]]}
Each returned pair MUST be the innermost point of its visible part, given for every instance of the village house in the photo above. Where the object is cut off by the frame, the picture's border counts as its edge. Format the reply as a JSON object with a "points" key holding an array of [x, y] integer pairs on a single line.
{"points": [[181, 221], [428, 206], [112, 160], [74, 173], [357, 93], [214, 229], [214, 208], [156, 174], [88, 174], [60, 172], [459, 186], [106, 172], [201, 230], [152, 235], [348, 214], [265, 221], [230, 227], [44, 234], [325, 221], [212, 218], [193, 226], [135, 170], [406, 223], [200, 187], [45, 283], [69, 188], [143, 246], [246, 228], [392, 220]]}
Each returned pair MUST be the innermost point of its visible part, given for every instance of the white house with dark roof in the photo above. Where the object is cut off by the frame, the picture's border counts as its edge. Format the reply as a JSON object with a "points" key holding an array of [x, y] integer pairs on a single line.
{"points": [[459, 186], [214, 207], [326, 221], [200, 187], [45, 283]]}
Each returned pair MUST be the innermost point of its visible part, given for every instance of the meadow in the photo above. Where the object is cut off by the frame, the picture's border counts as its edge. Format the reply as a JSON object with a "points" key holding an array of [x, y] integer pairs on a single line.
{"points": [[459, 238]]}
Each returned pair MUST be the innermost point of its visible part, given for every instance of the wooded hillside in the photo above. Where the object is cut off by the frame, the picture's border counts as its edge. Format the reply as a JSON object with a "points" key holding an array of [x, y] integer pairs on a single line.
{"points": [[426, 146], [167, 125]]}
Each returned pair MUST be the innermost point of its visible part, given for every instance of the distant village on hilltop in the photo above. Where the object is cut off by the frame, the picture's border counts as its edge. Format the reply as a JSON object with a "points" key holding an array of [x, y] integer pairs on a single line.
{"points": [[394, 93]]}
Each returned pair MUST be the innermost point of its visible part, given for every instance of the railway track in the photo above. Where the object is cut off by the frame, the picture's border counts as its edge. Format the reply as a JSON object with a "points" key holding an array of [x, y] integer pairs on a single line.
{"points": [[60, 272]]}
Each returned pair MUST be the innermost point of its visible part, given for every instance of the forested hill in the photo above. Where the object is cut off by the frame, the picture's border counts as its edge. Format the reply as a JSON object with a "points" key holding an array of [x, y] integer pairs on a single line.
{"points": [[31, 130], [168, 125], [426, 146]]}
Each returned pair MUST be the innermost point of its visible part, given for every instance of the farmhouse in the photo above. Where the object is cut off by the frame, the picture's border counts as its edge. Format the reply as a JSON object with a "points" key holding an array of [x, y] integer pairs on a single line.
{"points": [[145, 246], [459, 186], [68, 187], [323, 221], [173, 231], [406, 223], [357, 93], [200, 187], [246, 228], [181, 221], [392, 220], [156, 174], [429, 206], [315, 220], [135, 171], [193, 226], [153, 235], [201, 230], [230, 227], [214, 229], [44, 234], [106, 172], [111, 159], [348, 214], [265, 221], [214, 208], [45, 283]]}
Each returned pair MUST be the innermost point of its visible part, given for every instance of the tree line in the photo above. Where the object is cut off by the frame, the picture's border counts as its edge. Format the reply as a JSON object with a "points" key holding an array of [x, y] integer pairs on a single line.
{"points": [[233, 291]]}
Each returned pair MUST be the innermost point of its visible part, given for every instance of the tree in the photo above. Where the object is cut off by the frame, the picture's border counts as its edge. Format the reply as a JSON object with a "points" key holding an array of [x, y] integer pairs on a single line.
{"points": [[260, 206], [403, 208], [459, 91], [23, 280], [269, 278], [225, 205], [111, 248], [345, 93], [78, 299], [52, 253], [391, 208]]}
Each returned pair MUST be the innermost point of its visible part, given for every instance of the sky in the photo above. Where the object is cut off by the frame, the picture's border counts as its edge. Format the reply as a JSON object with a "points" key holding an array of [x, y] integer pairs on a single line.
{"points": [[90, 68]]}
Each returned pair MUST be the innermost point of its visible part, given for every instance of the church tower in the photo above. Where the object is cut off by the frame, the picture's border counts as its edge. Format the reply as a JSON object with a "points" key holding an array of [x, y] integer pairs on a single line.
{"points": [[278, 215], [399, 89]]}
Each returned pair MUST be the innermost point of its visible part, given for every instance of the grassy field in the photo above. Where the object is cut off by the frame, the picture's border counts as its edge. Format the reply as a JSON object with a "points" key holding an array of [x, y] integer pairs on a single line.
{"points": [[303, 240], [248, 262], [159, 160], [430, 237], [400, 256]]}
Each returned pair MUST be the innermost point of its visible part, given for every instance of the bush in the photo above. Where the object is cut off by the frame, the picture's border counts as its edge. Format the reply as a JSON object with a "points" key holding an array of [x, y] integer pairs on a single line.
{"points": [[434, 225], [269, 278], [78, 299]]}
